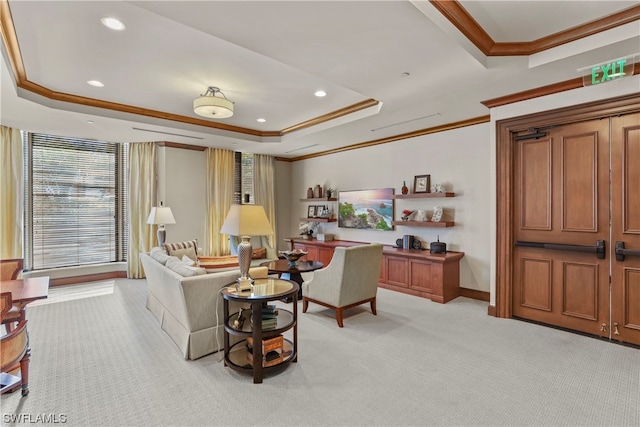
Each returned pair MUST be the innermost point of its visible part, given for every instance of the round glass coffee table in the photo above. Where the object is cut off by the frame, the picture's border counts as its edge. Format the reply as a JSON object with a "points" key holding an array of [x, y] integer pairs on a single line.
{"points": [[288, 272]]}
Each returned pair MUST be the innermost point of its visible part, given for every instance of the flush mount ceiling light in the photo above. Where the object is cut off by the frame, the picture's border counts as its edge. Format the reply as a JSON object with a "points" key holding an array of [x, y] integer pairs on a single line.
{"points": [[113, 23], [211, 106]]}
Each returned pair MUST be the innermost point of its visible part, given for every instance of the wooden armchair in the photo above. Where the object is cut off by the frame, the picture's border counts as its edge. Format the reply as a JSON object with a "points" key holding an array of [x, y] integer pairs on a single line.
{"points": [[14, 353], [350, 279], [10, 269]]}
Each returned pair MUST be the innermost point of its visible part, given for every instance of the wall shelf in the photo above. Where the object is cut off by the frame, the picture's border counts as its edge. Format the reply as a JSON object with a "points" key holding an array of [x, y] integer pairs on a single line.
{"points": [[422, 195], [319, 219], [439, 224], [320, 199]]}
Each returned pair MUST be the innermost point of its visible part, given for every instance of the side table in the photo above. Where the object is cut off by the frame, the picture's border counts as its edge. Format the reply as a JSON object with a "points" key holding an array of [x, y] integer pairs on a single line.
{"points": [[237, 356]]}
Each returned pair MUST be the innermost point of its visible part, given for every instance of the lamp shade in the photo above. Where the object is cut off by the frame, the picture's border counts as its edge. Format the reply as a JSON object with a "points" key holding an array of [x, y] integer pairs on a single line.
{"points": [[246, 220], [211, 106], [161, 215]]}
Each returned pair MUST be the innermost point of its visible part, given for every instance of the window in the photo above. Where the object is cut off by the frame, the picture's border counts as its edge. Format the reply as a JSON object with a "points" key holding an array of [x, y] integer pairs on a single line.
{"points": [[76, 202], [243, 182]]}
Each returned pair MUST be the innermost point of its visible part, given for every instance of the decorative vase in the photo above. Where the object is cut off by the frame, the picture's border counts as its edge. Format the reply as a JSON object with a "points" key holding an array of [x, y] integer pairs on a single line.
{"points": [[310, 193], [405, 189], [317, 191], [305, 236]]}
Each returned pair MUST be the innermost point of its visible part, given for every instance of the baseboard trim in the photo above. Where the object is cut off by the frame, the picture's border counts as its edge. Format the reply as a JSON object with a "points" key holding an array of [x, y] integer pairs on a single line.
{"points": [[475, 294], [88, 278], [491, 311]]}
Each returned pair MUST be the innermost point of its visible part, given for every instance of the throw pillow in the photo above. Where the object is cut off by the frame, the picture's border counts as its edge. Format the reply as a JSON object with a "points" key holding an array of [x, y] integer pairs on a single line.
{"points": [[189, 252], [182, 245], [259, 253]]}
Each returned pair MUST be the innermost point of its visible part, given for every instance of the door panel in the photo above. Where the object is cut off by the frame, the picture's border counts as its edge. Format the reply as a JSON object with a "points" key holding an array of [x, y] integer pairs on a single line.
{"points": [[562, 197], [625, 227], [535, 185], [536, 283], [579, 170]]}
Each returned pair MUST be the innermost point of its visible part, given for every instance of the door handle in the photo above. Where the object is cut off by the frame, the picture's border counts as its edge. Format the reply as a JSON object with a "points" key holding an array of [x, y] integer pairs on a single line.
{"points": [[598, 249], [621, 252]]}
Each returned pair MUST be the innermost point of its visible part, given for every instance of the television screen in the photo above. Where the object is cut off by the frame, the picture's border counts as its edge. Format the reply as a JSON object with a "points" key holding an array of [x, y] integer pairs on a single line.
{"points": [[366, 209]]}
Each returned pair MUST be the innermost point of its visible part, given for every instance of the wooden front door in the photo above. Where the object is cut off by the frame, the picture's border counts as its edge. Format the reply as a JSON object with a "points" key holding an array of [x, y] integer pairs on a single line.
{"points": [[577, 193]]}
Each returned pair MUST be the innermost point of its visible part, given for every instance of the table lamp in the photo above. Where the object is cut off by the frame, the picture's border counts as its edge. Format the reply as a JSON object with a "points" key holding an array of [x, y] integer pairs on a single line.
{"points": [[161, 215], [246, 221]]}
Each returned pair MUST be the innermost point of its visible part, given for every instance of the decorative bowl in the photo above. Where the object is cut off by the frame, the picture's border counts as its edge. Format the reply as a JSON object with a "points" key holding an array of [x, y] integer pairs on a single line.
{"points": [[293, 256]]}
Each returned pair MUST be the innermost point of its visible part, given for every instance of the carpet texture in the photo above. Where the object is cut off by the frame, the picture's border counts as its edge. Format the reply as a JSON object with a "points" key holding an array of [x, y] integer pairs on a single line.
{"points": [[104, 361]]}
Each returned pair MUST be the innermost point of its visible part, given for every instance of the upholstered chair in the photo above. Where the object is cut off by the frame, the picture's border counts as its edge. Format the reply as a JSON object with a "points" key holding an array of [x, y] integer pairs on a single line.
{"points": [[350, 279]]}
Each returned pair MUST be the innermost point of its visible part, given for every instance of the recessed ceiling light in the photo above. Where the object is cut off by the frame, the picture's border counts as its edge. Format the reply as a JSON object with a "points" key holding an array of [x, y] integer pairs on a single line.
{"points": [[405, 74], [261, 120], [95, 83], [90, 122], [113, 23], [320, 93]]}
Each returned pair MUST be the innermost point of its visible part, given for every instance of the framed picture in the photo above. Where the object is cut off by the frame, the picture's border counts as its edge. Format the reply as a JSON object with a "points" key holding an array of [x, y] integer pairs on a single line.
{"points": [[311, 211], [437, 214], [366, 209], [421, 183]]}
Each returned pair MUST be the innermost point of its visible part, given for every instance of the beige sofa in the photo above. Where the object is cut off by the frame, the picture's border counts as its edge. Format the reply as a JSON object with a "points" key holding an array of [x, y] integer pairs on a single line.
{"points": [[189, 309]]}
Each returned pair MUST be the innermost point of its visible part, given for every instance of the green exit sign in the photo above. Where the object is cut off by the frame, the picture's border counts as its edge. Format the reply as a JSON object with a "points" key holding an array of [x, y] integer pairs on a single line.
{"points": [[607, 71]]}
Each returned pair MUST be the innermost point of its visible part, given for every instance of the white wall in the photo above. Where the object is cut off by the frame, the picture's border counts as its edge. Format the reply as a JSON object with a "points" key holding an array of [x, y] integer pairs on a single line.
{"points": [[182, 177], [459, 159]]}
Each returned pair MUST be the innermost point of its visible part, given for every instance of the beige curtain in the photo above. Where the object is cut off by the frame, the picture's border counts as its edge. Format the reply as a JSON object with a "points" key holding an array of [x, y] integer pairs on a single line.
{"points": [[11, 193], [142, 194], [264, 188], [220, 178]]}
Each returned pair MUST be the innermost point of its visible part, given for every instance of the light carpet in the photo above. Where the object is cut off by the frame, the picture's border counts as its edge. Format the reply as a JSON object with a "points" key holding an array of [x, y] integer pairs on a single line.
{"points": [[104, 361], [72, 292]]}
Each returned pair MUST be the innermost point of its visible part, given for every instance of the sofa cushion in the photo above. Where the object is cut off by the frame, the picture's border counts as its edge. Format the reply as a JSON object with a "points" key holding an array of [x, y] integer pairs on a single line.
{"points": [[188, 261], [175, 264], [171, 247], [159, 254], [189, 252]]}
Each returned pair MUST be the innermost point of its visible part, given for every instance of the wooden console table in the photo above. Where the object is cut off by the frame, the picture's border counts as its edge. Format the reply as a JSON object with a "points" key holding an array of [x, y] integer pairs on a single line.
{"points": [[414, 272]]}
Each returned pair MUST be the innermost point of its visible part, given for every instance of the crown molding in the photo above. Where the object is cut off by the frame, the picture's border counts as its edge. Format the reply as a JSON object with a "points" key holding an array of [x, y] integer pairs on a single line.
{"points": [[460, 18], [414, 134]]}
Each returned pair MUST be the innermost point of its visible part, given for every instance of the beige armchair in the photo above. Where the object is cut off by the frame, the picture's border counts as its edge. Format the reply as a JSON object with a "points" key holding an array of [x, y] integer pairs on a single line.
{"points": [[350, 279]]}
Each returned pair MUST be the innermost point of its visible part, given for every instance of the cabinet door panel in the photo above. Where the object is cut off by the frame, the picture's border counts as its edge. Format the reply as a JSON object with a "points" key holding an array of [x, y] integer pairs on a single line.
{"points": [[325, 255], [383, 270], [312, 253], [420, 276], [397, 271]]}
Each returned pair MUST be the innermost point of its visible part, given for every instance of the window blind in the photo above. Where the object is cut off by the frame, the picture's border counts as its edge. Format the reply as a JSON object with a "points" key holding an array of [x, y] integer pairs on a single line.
{"points": [[243, 181], [76, 202]]}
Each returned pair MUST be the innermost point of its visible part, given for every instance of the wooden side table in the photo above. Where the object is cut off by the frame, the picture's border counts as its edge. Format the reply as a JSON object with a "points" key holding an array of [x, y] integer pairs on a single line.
{"points": [[264, 290]]}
